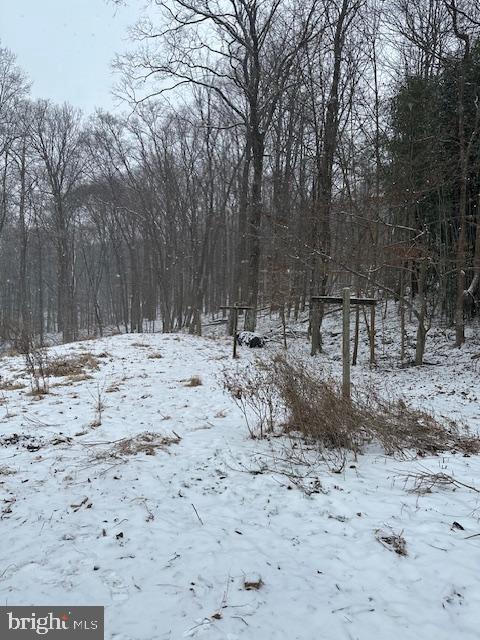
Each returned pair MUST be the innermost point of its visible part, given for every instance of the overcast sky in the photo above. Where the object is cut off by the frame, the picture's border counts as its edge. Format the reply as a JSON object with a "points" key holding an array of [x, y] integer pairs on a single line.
{"points": [[66, 46]]}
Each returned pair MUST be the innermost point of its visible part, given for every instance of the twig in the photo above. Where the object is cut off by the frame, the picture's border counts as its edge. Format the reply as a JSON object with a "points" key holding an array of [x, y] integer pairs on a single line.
{"points": [[201, 521], [424, 481]]}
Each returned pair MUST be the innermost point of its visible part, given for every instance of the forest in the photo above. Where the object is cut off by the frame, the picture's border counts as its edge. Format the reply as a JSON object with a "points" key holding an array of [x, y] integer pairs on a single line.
{"points": [[174, 462], [268, 151]]}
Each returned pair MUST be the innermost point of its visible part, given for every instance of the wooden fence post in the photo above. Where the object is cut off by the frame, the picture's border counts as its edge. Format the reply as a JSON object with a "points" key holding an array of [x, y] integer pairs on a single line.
{"points": [[346, 301], [235, 309], [235, 326], [346, 343], [372, 335]]}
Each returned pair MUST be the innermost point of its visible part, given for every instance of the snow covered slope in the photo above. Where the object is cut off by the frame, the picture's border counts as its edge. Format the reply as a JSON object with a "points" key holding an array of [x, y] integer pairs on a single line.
{"points": [[195, 538]]}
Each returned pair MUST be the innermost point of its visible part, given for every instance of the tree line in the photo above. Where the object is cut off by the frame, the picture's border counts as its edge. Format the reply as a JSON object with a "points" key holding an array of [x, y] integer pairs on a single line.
{"points": [[272, 150]]}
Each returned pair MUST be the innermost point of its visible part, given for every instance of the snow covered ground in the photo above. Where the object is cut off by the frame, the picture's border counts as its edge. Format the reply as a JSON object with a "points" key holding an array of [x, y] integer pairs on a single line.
{"points": [[193, 540]]}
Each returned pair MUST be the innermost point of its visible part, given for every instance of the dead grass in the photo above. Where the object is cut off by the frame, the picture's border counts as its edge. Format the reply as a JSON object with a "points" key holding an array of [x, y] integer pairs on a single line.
{"points": [[393, 542], [155, 356], [317, 409], [87, 338], [71, 366], [80, 377], [194, 381], [71, 380], [9, 385], [6, 471], [253, 585], [314, 408], [147, 442], [38, 394]]}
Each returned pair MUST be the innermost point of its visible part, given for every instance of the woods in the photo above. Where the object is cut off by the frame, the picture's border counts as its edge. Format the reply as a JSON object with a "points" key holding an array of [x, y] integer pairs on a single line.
{"points": [[239, 333], [269, 152]]}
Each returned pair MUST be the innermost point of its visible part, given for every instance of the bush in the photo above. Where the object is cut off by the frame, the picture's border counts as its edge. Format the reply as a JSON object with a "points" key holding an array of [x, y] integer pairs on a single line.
{"points": [[36, 361], [314, 408], [255, 392]]}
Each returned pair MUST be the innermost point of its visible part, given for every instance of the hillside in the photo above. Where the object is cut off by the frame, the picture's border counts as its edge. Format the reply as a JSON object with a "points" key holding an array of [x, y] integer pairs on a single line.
{"points": [[196, 531]]}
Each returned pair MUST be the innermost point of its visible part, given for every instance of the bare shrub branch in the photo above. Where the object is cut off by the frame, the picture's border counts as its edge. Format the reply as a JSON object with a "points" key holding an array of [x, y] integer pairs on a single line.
{"points": [[313, 408]]}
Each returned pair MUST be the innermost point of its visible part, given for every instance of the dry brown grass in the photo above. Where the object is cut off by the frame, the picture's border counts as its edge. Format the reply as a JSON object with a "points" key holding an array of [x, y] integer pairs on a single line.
{"points": [[87, 338], [71, 366], [393, 541], [155, 356], [253, 585], [194, 381], [80, 377], [6, 471], [147, 442], [317, 409], [9, 385], [38, 393], [314, 408], [72, 380]]}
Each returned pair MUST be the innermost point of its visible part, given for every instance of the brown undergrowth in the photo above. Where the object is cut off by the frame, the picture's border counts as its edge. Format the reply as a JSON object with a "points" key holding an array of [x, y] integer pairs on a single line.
{"points": [[147, 443], [285, 396]]}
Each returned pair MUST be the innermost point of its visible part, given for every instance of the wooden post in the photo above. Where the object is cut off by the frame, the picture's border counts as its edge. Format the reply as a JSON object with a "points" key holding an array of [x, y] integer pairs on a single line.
{"points": [[235, 309], [402, 318], [235, 326], [372, 335], [284, 325], [346, 343], [356, 334], [346, 301]]}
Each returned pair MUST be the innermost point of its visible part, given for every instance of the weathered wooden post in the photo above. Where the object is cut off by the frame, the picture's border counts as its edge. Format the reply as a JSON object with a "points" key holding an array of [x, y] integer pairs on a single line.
{"points": [[346, 301], [235, 327], [235, 308], [346, 343], [372, 334]]}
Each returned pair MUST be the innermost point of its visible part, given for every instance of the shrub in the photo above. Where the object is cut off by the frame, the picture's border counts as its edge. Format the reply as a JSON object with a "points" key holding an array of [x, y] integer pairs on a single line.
{"points": [[36, 361], [317, 408], [314, 408], [254, 390]]}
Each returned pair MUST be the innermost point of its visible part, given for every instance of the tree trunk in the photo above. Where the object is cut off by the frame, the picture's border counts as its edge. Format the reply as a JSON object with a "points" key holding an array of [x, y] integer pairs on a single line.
{"points": [[254, 230]]}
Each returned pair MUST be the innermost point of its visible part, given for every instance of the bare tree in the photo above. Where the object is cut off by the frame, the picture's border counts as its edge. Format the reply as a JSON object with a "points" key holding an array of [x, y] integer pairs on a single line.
{"points": [[243, 51], [56, 136]]}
